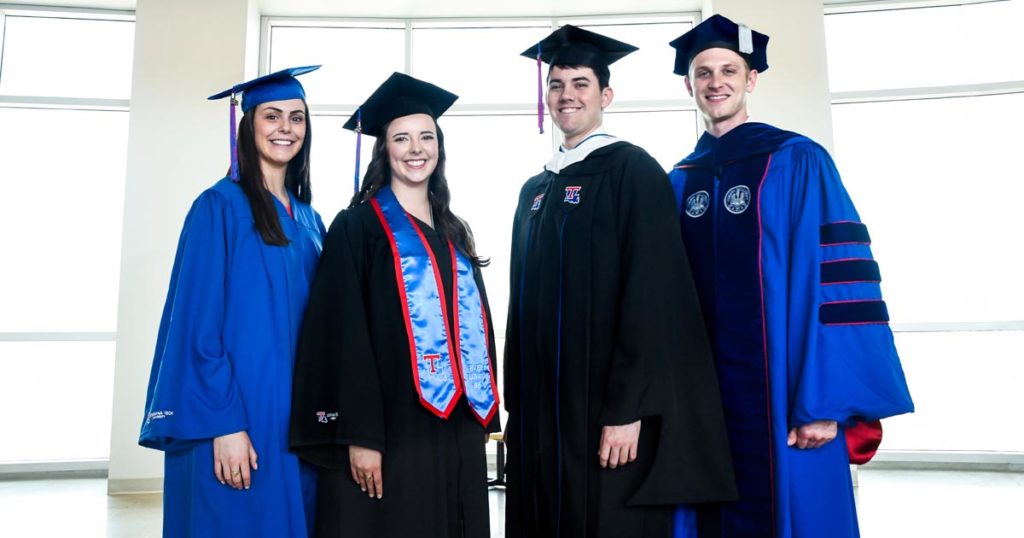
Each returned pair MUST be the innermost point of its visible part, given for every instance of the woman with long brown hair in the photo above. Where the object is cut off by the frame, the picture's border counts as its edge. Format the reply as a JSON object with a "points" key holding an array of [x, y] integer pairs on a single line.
{"points": [[394, 384], [220, 388]]}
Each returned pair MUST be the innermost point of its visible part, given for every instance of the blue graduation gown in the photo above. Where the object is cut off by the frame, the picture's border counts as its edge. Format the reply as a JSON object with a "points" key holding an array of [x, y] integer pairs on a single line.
{"points": [[791, 297], [223, 364]]}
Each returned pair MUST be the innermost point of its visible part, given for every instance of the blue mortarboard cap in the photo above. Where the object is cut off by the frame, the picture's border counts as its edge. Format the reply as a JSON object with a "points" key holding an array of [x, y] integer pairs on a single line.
{"points": [[276, 86], [399, 95], [719, 32]]}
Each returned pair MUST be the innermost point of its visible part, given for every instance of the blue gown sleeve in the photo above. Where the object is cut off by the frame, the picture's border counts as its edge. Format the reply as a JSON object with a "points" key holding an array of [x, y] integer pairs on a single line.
{"points": [[192, 394], [843, 363]]}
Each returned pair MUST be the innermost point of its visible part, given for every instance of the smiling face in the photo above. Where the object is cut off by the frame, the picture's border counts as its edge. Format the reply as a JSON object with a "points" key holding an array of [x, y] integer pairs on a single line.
{"points": [[279, 128], [576, 102], [412, 148], [719, 80]]}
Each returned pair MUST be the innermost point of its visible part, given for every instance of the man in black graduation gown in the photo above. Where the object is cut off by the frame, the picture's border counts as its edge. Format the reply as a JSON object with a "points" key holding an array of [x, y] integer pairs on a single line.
{"points": [[614, 411]]}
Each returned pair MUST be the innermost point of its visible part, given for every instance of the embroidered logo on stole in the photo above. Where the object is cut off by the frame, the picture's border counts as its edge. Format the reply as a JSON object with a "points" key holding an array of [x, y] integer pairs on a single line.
{"points": [[440, 380], [572, 194], [536, 202]]}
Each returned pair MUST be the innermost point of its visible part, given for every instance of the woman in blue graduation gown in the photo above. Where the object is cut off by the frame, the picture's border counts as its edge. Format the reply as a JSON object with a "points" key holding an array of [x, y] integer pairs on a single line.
{"points": [[394, 383], [220, 388]]}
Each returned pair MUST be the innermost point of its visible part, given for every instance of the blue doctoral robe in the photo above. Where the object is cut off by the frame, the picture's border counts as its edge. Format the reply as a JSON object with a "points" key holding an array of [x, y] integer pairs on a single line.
{"points": [[790, 294], [223, 364]]}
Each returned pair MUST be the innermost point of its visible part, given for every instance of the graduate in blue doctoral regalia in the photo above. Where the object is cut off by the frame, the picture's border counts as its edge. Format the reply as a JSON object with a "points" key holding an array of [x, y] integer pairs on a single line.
{"points": [[791, 299], [220, 388]]}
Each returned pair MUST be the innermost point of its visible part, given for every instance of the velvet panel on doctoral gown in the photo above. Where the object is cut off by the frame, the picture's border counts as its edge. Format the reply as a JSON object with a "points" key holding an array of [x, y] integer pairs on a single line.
{"points": [[224, 357], [354, 386], [792, 299], [604, 331]]}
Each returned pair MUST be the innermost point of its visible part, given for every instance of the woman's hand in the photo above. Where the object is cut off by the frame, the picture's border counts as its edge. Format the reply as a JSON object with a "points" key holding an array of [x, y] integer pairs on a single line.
{"points": [[233, 457], [365, 464]]}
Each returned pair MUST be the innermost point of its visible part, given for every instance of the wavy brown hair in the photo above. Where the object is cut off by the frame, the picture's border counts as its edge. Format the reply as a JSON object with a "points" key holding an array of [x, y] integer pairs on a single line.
{"points": [[296, 179], [378, 174]]}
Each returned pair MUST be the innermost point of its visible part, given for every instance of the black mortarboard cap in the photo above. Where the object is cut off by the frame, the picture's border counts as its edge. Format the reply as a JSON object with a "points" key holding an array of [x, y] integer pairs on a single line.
{"points": [[719, 32], [399, 95], [570, 45]]}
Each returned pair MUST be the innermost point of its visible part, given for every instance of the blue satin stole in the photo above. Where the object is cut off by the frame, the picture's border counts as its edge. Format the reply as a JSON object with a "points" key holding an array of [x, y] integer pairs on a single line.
{"points": [[440, 381]]}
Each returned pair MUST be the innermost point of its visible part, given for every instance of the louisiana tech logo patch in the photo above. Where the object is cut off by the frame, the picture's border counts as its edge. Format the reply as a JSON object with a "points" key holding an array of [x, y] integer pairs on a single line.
{"points": [[737, 199], [572, 195], [536, 202], [697, 203]]}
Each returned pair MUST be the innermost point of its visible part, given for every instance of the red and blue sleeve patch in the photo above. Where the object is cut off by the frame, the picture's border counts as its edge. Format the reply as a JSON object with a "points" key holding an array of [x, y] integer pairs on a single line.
{"points": [[849, 277]]}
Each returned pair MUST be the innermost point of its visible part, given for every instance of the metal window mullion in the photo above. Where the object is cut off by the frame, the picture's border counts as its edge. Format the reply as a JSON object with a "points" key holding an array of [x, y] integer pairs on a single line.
{"points": [[930, 92], [60, 336], [64, 103], [408, 47], [3, 27], [957, 326]]}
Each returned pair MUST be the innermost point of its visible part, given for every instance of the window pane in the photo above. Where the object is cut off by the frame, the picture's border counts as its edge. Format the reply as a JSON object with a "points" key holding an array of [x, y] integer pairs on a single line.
{"points": [[333, 164], [63, 177], [667, 135], [487, 67], [966, 388], [647, 73], [486, 168], [55, 400], [949, 45], [67, 57], [355, 60], [937, 183]]}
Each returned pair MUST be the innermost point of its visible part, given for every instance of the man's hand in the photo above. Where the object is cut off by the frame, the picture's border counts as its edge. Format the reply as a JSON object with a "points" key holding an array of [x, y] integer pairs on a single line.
{"points": [[619, 444], [233, 457], [365, 464], [813, 435]]}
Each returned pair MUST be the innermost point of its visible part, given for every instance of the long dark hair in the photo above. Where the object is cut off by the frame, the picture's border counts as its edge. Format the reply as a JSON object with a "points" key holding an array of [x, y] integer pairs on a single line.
{"points": [[296, 179], [378, 174]]}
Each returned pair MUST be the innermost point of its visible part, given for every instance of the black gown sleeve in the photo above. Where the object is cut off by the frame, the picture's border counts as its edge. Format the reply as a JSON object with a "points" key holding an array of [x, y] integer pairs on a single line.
{"points": [[662, 366], [337, 399]]}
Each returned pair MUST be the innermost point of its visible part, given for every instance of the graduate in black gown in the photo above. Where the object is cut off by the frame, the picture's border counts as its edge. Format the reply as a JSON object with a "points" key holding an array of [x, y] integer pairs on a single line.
{"points": [[614, 411], [395, 387]]}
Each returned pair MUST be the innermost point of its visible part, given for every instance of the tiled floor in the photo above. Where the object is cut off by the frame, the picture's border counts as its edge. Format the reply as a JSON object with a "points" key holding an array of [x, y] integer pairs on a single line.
{"points": [[932, 504]]}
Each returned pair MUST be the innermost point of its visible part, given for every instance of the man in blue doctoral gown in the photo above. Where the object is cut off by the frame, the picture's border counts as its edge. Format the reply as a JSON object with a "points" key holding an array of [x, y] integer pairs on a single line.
{"points": [[791, 299]]}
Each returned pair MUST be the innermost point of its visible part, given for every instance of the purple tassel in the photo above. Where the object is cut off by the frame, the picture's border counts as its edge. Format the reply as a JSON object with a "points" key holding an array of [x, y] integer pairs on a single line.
{"points": [[234, 141], [540, 94], [359, 146]]}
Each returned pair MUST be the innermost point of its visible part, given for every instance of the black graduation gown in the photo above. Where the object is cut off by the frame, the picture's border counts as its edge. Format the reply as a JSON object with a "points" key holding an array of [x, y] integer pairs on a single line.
{"points": [[604, 329], [353, 366]]}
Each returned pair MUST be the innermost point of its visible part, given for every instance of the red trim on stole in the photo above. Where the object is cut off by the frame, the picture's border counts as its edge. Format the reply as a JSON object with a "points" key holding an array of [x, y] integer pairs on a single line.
{"points": [[487, 341], [764, 336], [400, 281]]}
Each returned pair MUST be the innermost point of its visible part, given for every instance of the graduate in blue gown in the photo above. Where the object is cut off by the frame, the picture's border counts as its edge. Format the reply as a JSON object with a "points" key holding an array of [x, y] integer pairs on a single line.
{"points": [[219, 394], [791, 299]]}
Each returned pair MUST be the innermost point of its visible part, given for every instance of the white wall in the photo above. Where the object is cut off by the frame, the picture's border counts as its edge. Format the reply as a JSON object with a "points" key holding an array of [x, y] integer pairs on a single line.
{"points": [[793, 94], [185, 50]]}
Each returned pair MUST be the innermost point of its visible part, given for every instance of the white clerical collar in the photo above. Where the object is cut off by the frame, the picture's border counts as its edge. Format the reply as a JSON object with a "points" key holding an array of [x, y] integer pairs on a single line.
{"points": [[565, 158]]}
